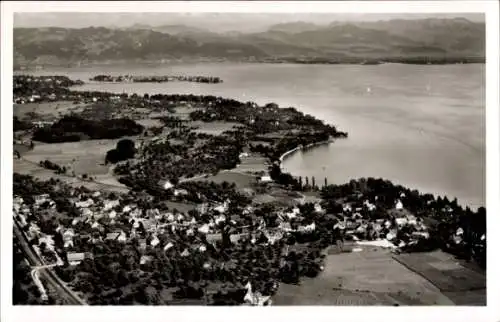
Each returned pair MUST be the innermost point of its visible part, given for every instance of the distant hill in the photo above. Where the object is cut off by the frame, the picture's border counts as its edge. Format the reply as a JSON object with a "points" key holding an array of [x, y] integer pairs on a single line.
{"points": [[456, 35], [102, 44], [294, 27], [393, 39]]}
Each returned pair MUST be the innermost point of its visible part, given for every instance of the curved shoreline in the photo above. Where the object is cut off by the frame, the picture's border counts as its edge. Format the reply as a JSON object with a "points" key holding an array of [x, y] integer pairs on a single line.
{"points": [[287, 154], [300, 147]]}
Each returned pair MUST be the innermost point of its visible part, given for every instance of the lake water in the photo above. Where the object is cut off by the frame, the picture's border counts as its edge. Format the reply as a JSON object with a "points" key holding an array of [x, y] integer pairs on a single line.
{"points": [[419, 126]]}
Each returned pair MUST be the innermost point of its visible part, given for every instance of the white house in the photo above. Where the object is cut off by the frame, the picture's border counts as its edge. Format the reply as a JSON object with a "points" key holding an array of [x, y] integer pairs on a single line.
{"points": [[401, 221], [155, 241], [168, 246], [222, 208], [180, 192], [84, 204], [112, 214], [110, 204], [40, 199], [122, 237], [75, 258], [204, 229], [145, 259], [390, 235], [399, 205], [308, 228], [219, 219], [49, 242], [318, 208], [265, 179], [167, 185]]}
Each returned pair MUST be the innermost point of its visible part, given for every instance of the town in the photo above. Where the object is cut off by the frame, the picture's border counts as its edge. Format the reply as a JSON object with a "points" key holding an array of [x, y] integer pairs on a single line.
{"points": [[186, 201]]}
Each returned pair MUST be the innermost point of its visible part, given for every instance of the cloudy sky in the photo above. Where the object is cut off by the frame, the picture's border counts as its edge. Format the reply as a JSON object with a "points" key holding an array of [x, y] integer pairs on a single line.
{"points": [[218, 22]]}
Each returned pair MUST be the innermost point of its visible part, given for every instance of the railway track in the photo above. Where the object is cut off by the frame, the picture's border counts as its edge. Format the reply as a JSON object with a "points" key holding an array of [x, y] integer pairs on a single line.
{"points": [[45, 272]]}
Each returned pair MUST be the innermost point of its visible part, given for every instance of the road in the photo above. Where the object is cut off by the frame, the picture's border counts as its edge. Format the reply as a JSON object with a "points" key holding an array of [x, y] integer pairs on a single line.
{"points": [[46, 272]]}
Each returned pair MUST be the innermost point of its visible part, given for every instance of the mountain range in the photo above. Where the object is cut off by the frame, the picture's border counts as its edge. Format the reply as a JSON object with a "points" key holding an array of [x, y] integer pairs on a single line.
{"points": [[432, 38]]}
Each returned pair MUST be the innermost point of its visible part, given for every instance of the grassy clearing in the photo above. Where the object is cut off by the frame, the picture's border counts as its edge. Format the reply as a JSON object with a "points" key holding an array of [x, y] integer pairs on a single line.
{"points": [[253, 164], [213, 128], [80, 157], [183, 112], [180, 206], [51, 109], [240, 179], [84, 157], [370, 277], [148, 122]]}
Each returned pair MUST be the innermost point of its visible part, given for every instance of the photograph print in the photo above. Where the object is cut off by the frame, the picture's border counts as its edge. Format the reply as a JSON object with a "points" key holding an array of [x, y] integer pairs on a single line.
{"points": [[249, 159]]}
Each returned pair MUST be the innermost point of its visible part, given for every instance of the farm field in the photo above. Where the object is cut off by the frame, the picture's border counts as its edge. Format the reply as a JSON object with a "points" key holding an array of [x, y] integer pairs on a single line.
{"points": [[242, 180], [213, 128], [84, 157], [51, 109], [369, 277], [253, 164], [81, 157], [461, 284]]}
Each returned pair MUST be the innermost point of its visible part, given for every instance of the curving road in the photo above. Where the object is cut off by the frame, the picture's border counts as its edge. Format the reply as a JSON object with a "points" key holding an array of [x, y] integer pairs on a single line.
{"points": [[45, 272]]}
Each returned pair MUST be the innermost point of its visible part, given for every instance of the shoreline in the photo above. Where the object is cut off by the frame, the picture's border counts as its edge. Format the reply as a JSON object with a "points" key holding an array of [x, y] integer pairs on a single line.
{"points": [[288, 153], [291, 152], [41, 67]]}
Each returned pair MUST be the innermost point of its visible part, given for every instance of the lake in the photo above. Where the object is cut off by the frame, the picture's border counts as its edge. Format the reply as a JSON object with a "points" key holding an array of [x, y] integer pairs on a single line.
{"points": [[419, 126]]}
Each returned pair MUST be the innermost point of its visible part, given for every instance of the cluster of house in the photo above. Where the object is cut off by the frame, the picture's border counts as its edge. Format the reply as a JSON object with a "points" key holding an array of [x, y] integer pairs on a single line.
{"points": [[381, 231], [22, 212], [103, 219], [107, 219]]}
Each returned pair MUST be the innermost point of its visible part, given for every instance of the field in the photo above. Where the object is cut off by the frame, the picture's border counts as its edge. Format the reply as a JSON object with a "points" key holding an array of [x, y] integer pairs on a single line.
{"points": [[277, 195], [183, 112], [149, 122], [241, 180], [213, 128], [81, 157], [54, 109], [461, 284], [253, 164], [84, 157], [370, 277]]}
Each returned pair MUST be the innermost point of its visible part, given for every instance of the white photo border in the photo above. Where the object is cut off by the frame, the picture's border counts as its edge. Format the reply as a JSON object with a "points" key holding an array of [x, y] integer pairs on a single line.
{"points": [[121, 313]]}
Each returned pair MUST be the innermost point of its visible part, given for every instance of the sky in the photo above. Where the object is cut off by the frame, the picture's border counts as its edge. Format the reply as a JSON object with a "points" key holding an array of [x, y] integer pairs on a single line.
{"points": [[216, 22]]}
